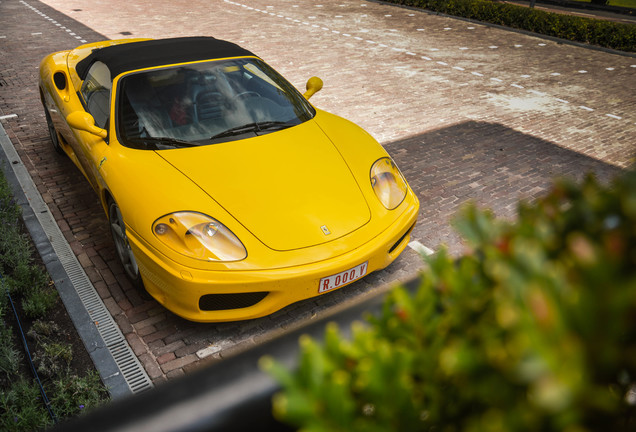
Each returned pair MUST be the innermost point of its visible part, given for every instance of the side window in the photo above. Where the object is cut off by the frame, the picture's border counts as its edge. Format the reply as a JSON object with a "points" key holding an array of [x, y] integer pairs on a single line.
{"points": [[96, 93]]}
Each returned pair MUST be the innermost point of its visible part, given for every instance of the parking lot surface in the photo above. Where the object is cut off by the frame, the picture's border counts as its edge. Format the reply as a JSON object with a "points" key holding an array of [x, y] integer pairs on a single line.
{"points": [[468, 111]]}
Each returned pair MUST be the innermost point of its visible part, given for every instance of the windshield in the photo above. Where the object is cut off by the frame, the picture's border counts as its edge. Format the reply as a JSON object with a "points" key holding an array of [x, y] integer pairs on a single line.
{"points": [[206, 103]]}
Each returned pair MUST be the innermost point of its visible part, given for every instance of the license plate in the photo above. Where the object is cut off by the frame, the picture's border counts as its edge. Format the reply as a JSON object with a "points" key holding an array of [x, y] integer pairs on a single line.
{"points": [[335, 281]]}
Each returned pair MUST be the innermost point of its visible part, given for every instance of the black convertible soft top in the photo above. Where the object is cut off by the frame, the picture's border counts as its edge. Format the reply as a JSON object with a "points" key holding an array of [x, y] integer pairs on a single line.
{"points": [[157, 52]]}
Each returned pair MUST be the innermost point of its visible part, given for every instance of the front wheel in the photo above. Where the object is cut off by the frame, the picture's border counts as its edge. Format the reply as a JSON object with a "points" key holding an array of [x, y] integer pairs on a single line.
{"points": [[124, 252]]}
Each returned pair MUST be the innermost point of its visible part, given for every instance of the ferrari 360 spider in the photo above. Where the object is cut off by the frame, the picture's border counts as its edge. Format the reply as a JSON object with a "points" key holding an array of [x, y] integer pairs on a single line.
{"points": [[228, 194]]}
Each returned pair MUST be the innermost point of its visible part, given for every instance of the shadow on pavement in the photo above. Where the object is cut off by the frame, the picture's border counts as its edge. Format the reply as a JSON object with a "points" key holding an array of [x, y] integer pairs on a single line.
{"points": [[487, 163]]}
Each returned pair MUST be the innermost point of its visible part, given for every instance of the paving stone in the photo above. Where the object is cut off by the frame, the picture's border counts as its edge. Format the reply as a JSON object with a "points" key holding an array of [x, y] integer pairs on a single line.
{"points": [[178, 363], [144, 331], [175, 374], [112, 306], [136, 343], [124, 323], [171, 348], [150, 366], [165, 358]]}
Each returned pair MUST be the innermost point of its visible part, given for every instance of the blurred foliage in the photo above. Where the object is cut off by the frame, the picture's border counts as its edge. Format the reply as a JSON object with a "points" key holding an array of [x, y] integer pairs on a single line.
{"points": [[608, 34], [533, 329]]}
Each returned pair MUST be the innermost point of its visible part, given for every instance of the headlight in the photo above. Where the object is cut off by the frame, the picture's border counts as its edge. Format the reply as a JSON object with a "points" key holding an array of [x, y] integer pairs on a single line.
{"points": [[388, 183], [199, 236]]}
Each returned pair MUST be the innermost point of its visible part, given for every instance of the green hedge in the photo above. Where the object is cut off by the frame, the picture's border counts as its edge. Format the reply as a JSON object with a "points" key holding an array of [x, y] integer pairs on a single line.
{"points": [[533, 330], [606, 34]]}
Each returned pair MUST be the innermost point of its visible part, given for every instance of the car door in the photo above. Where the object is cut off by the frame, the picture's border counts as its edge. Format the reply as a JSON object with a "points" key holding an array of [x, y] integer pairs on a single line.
{"points": [[96, 99]]}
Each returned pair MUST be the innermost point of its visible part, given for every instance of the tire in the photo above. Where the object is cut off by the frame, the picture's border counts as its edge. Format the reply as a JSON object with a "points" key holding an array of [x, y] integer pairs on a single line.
{"points": [[53, 133], [122, 247]]}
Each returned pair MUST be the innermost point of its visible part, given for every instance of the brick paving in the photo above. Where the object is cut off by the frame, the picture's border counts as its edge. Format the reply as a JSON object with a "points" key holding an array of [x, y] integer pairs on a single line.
{"points": [[469, 112]]}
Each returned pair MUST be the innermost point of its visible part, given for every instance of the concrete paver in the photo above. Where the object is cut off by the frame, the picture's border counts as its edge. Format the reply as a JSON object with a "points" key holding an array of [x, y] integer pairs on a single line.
{"points": [[468, 111]]}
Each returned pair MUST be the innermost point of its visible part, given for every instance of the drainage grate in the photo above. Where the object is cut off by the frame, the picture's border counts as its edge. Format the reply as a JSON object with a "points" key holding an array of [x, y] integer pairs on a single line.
{"points": [[129, 366]]}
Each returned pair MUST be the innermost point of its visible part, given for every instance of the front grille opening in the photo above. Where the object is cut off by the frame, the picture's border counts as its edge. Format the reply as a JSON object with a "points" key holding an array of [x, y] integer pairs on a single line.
{"points": [[397, 243], [218, 302]]}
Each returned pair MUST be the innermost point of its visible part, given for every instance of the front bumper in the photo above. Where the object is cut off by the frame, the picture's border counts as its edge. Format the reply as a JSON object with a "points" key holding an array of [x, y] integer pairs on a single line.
{"points": [[240, 295]]}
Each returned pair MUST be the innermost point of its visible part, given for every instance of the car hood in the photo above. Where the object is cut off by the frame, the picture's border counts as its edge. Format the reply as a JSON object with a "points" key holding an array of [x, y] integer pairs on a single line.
{"points": [[291, 189]]}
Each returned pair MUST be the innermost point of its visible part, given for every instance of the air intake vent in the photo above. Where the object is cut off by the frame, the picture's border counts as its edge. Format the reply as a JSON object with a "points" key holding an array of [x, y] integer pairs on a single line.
{"points": [[397, 243], [217, 302]]}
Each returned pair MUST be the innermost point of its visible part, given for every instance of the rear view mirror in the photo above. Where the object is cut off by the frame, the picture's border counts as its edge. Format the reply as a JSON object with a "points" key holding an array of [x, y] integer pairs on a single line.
{"points": [[314, 84]]}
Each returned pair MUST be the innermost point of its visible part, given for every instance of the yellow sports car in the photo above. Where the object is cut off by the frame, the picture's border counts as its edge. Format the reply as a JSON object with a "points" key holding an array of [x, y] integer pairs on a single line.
{"points": [[228, 194]]}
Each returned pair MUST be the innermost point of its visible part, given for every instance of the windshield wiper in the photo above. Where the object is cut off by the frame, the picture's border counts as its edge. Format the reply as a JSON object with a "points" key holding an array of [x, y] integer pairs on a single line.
{"points": [[253, 127], [165, 141]]}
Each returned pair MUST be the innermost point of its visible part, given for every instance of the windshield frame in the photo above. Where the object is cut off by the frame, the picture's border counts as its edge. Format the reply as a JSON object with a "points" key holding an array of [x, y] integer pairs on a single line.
{"points": [[308, 112]]}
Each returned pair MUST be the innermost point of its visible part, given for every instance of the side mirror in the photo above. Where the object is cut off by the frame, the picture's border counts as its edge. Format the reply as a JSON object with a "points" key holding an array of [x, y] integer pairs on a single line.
{"points": [[314, 84], [85, 122]]}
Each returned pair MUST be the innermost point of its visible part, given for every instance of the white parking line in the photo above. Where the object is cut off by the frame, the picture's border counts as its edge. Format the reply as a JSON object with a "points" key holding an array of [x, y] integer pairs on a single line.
{"points": [[420, 248], [443, 63], [52, 21]]}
